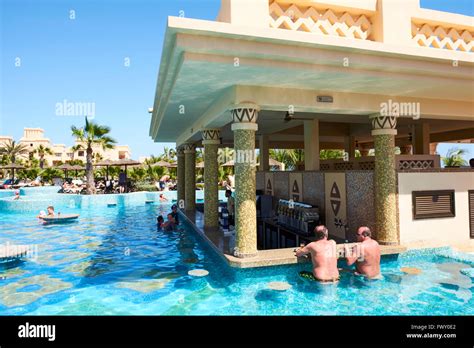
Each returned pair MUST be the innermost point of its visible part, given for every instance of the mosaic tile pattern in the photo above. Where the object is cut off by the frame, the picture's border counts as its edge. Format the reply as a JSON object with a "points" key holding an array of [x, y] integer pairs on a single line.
{"points": [[313, 188], [281, 185], [144, 285], [211, 194], [260, 181], [245, 208], [385, 190], [190, 180], [14, 295], [360, 200]]}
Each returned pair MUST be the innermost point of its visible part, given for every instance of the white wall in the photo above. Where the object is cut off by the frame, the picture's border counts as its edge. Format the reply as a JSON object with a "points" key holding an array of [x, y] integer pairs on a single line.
{"points": [[437, 229]]}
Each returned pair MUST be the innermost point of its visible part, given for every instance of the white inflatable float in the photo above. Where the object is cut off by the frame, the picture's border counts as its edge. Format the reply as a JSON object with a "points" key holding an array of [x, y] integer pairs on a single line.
{"points": [[57, 219]]}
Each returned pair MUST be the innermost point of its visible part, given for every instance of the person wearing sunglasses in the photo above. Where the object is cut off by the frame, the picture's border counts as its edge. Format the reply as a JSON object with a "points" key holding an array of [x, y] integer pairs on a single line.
{"points": [[365, 255]]}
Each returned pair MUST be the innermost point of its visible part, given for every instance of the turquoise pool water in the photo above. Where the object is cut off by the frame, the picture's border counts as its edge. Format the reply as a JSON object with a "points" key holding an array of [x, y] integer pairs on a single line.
{"points": [[113, 261]]}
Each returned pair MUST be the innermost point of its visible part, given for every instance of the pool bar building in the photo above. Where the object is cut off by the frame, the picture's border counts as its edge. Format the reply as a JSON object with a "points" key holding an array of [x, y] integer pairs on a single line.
{"points": [[364, 76]]}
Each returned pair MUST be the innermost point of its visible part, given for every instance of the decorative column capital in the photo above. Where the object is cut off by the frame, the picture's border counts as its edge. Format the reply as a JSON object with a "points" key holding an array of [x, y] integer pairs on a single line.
{"points": [[180, 151], [211, 136], [384, 124], [189, 148], [245, 116]]}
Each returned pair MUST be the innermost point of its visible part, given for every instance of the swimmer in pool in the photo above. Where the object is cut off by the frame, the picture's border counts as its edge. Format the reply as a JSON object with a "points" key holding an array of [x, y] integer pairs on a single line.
{"points": [[160, 221], [323, 255], [170, 224], [367, 255], [50, 213]]}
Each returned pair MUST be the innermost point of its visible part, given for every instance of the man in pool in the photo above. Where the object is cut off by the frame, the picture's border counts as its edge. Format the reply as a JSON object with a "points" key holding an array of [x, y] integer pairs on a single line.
{"points": [[323, 255], [160, 221], [230, 206], [170, 224], [50, 213], [366, 256], [174, 213]]}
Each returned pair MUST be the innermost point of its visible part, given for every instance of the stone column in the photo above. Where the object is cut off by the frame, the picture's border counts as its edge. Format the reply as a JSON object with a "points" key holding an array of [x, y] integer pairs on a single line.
{"points": [[385, 179], [190, 177], [181, 176], [211, 141], [244, 127]]}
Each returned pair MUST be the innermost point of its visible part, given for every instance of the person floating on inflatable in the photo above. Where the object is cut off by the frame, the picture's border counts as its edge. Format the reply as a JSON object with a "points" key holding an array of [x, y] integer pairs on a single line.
{"points": [[42, 214]]}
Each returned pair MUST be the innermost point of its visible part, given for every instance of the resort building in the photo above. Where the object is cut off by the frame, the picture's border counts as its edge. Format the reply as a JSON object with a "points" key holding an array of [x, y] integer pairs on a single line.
{"points": [[34, 137], [323, 74]]}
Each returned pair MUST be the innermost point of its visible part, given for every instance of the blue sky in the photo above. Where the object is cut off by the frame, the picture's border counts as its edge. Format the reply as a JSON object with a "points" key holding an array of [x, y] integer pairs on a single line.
{"points": [[48, 57]]}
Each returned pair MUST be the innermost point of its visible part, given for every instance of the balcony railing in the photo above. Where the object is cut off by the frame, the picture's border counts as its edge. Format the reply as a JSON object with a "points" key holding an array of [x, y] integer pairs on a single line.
{"points": [[298, 17], [403, 162]]}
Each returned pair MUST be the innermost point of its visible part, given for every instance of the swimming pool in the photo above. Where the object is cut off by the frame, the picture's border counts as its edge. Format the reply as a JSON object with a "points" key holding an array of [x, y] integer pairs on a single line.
{"points": [[113, 261]]}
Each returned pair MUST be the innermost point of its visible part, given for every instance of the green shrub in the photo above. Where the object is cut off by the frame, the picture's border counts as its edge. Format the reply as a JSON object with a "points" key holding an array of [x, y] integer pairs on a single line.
{"points": [[144, 186]]}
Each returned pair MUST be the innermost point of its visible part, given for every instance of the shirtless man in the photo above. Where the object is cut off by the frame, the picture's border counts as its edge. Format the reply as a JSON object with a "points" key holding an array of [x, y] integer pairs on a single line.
{"points": [[323, 255], [50, 213], [367, 255]]}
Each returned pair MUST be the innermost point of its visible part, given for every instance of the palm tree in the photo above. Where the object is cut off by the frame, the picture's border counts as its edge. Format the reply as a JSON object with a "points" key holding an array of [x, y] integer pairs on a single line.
{"points": [[454, 158], [42, 151], [92, 134], [98, 157], [331, 154], [225, 154], [74, 149], [291, 158], [12, 149], [169, 155]]}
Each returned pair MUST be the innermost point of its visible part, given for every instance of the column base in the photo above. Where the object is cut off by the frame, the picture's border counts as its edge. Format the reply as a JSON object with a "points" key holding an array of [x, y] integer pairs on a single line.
{"points": [[245, 255], [382, 242]]}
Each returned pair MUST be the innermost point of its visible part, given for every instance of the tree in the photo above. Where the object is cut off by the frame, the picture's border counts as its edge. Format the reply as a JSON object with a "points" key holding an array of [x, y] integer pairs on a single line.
{"points": [[98, 157], [42, 151], [290, 157], [49, 173], [331, 154], [12, 150], [74, 149], [454, 158], [169, 155], [92, 134]]}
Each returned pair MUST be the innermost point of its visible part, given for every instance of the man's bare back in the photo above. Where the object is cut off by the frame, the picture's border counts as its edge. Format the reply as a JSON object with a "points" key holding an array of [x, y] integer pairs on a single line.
{"points": [[367, 254], [324, 259], [370, 263]]}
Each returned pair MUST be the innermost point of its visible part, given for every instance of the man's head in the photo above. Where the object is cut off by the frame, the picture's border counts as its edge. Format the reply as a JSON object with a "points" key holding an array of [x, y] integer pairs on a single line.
{"points": [[471, 162], [174, 208], [51, 209], [321, 232], [160, 219], [170, 217], [363, 233], [228, 193]]}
